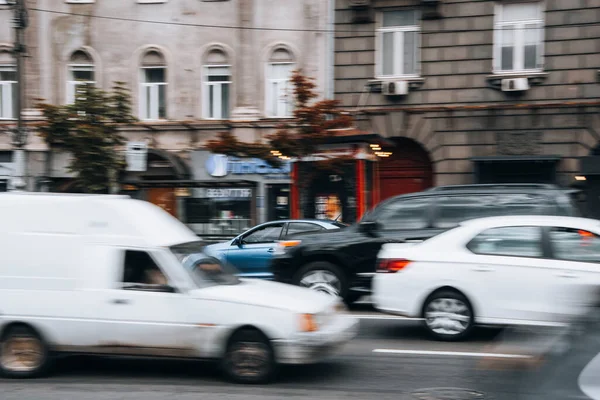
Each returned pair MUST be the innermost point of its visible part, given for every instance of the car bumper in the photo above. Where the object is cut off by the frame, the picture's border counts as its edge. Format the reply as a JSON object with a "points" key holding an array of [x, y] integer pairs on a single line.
{"points": [[282, 269], [312, 347]]}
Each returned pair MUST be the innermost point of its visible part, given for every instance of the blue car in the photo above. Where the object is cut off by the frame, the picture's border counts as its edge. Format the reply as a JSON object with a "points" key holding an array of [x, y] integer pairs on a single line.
{"points": [[251, 252]]}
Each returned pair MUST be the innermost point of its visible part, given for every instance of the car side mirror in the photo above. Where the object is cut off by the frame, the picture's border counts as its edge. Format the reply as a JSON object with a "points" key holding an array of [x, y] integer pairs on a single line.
{"points": [[368, 227], [237, 242]]}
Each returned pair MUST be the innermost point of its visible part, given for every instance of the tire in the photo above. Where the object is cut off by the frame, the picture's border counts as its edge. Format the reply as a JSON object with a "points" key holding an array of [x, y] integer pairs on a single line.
{"points": [[243, 347], [448, 328], [324, 277], [23, 353]]}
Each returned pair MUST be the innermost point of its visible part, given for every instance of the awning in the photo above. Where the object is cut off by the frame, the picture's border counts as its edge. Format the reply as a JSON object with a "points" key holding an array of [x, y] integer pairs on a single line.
{"points": [[187, 183]]}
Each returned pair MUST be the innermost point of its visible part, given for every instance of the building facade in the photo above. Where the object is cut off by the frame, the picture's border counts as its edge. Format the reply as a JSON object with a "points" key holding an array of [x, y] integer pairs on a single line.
{"points": [[472, 91], [195, 68]]}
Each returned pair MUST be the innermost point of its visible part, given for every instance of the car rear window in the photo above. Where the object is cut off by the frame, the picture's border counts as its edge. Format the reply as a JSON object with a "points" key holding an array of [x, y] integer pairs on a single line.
{"points": [[452, 210]]}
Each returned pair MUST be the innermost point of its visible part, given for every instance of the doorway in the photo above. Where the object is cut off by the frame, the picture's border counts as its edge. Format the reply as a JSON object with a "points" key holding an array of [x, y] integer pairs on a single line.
{"points": [[407, 170]]}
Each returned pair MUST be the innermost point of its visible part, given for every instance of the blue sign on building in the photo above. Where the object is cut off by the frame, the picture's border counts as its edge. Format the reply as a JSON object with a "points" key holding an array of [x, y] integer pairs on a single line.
{"points": [[219, 165]]}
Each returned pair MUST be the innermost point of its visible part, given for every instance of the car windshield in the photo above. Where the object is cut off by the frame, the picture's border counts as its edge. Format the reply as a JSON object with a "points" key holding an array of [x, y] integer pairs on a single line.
{"points": [[204, 270]]}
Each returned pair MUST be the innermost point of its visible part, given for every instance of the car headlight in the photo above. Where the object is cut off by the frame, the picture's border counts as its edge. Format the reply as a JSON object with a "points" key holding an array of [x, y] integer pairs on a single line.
{"points": [[308, 323]]}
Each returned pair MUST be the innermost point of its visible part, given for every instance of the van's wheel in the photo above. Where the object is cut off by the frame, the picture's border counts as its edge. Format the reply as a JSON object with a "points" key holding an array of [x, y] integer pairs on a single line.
{"points": [[23, 353], [249, 358], [324, 277], [448, 315]]}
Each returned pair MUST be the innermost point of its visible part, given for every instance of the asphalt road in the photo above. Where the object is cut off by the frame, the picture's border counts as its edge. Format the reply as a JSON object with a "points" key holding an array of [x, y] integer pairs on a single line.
{"points": [[390, 359]]}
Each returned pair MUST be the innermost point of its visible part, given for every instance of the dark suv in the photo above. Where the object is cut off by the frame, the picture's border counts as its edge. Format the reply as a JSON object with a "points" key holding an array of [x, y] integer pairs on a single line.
{"points": [[343, 262]]}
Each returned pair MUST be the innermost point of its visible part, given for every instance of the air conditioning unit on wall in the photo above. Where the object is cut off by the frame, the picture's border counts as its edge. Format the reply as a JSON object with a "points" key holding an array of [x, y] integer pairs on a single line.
{"points": [[515, 85], [394, 88]]}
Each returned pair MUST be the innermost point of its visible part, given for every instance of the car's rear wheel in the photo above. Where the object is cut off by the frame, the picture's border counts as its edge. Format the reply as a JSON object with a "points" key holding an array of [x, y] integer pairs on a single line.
{"points": [[249, 358], [323, 277], [23, 353], [448, 315]]}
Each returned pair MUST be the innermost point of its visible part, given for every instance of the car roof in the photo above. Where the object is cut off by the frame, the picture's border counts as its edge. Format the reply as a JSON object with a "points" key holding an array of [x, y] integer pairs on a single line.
{"points": [[509, 188], [537, 220], [318, 221]]}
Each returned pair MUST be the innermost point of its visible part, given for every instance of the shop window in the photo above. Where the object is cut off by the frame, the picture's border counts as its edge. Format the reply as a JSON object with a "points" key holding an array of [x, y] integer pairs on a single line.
{"points": [[80, 72], [220, 212], [518, 37], [153, 87]]}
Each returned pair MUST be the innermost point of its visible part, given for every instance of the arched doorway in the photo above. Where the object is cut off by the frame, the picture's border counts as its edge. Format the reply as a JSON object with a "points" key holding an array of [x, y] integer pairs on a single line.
{"points": [[407, 170]]}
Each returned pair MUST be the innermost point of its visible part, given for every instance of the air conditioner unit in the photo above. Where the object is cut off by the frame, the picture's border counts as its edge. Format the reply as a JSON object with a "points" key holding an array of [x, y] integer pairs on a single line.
{"points": [[515, 84], [394, 88]]}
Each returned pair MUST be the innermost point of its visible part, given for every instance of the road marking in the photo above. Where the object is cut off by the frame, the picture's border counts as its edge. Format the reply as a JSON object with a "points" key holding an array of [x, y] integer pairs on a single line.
{"points": [[449, 353], [384, 317]]}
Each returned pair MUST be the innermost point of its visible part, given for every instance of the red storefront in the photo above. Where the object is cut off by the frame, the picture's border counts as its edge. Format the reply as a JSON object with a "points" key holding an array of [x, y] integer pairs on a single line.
{"points": [[347, 190]]}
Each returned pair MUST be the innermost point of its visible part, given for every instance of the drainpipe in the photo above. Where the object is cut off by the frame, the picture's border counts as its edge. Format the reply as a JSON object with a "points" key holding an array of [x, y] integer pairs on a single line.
{"points": [[330, 75]]}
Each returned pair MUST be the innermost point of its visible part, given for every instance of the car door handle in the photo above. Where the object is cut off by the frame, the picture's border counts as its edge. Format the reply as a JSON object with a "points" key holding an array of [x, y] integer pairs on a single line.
{"points": [[271, 250], [120, 301], [483, 269], [567, 275]]}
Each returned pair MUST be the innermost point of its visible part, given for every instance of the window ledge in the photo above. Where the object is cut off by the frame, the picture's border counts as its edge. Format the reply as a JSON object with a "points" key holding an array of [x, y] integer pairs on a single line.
{"points": [[414, 83], [534, 78]]}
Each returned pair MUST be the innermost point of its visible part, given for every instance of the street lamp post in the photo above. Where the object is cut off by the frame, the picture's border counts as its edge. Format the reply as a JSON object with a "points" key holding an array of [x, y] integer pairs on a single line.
{"points": [[19, 137]]}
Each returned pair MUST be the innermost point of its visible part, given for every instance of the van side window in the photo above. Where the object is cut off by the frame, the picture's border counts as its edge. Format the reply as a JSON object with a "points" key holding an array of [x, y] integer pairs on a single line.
{"points": [[140, 269]]}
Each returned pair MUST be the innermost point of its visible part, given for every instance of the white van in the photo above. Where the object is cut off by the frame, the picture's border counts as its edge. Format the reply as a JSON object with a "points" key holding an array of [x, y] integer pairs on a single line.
{"points": [[103, 274]]}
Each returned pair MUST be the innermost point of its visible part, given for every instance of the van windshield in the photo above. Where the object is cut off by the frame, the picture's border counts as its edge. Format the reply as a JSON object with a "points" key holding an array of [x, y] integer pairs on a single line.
{"points": [[204, 270]]}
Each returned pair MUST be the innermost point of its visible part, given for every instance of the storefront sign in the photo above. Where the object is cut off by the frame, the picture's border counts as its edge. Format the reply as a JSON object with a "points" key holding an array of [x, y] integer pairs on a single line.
{"points": [[223, 193], [219, 165]]}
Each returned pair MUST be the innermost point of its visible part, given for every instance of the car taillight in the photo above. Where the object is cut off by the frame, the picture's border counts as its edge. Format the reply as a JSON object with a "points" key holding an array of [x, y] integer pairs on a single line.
{"points": [[392, 265]]}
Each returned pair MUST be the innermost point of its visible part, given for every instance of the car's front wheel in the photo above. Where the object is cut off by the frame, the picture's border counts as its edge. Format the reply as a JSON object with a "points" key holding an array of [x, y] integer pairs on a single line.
{"points": [[448, 315], [322, 277], [249, 358]]}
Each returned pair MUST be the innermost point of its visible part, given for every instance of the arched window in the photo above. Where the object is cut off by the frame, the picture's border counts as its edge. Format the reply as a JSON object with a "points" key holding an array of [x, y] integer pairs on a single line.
{"points": [[216, 85], [279, 96], [81, 71], [153, 86], [8, 86]]}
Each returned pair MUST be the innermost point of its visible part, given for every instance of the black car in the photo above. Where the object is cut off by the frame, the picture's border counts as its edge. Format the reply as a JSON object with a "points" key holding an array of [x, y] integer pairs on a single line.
{"points": [[343, 262]]}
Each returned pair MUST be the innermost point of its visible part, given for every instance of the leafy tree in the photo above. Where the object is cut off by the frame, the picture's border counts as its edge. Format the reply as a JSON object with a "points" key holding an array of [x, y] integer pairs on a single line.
{"points": [[88, 129], [312, 125]]}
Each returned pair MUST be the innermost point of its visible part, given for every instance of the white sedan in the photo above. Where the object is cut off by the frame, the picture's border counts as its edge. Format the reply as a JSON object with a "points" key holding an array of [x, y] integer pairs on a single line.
{"points": [[515, 270]]}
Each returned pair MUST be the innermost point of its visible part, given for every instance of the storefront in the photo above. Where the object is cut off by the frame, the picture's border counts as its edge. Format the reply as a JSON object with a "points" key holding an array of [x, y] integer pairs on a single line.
{"points": [[347, 188], [236, 194], [6, 169]]}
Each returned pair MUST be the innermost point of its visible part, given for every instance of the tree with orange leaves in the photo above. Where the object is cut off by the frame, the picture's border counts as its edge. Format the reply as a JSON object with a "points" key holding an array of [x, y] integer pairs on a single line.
{"points": [[312, 125]]}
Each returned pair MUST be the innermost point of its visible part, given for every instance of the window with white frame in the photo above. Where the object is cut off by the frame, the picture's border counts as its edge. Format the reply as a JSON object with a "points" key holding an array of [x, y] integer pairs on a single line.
{"points": [[518, 37], [80, 72], [398, 44], [216, 88], [279, 92], [153, 87], [8, 92]]}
